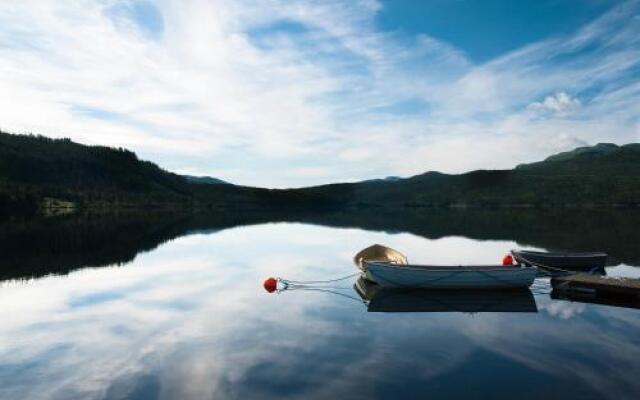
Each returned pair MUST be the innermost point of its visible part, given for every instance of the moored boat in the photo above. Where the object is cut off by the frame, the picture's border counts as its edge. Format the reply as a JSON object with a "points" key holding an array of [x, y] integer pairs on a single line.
{"points": [[388, 274], [378, 252], [567, 261]]}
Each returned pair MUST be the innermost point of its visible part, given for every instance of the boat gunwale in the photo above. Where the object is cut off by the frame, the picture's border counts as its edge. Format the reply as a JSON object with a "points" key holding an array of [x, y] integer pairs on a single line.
{"points": [[558, 255], [451, 268]]}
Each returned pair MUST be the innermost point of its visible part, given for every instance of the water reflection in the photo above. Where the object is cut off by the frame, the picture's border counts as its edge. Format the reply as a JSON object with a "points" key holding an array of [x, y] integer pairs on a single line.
{"points": [[190, 320], [32, 248], [592, 298], [423, 300]]}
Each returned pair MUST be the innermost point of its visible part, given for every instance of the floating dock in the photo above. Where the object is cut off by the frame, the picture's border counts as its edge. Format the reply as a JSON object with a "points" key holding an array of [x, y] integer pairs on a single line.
{"points": [[598, 285]]}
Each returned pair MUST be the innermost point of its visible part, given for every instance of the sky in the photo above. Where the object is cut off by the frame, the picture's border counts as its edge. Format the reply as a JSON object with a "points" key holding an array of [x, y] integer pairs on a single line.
{"points": [[287, 93]]}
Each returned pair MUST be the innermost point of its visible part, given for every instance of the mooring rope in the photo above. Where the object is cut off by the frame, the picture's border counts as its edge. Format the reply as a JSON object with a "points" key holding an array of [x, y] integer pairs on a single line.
{"points": [[289, 282], [325, 290], [547, 270]]}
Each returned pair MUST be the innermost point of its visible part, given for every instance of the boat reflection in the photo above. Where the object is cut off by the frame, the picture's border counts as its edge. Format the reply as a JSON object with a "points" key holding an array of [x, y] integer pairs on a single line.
{"points": [[380, 299]]}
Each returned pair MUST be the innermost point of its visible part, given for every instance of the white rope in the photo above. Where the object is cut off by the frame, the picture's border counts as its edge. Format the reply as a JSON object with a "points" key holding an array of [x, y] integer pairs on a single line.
{"points": [[299, 283], [547, 270], [326, 290]]}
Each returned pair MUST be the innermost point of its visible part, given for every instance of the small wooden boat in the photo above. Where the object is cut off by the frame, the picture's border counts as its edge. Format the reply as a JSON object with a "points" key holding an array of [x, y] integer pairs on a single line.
{"points": [[388, 274], [378, 252], [568, 261], [379, 299]]}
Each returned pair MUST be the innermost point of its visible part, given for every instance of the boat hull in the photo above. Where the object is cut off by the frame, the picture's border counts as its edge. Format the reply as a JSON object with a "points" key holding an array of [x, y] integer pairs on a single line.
{"points": [[440, 277], [569, 261]]}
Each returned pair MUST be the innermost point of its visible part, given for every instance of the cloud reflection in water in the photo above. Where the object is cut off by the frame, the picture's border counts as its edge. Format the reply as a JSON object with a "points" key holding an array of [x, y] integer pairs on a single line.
{"points": [[190, 320]]}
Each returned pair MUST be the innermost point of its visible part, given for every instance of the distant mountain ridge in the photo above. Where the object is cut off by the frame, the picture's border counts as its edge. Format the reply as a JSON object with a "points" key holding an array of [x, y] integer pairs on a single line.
{"points": [[205, 180], [601, 159], [38, 173], [599, 150], [604, 174]]}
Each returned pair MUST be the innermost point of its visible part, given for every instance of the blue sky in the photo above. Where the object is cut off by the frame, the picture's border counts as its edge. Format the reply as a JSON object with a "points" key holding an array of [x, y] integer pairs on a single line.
{"points": [[489, 28], [290, 93]]}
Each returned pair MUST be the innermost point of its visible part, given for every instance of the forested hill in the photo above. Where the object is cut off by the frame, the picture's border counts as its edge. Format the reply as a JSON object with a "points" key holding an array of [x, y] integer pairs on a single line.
{"points": [[601, 175], [603, 159], [36, 171], [39, 173], [39, 161]]}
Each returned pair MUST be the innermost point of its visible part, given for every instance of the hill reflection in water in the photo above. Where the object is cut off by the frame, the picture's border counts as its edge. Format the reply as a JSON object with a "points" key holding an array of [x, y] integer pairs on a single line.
{"points": [[37, 247]]}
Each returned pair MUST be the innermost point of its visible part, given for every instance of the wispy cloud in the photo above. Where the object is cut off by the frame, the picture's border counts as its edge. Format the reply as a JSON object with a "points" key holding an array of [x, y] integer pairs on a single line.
{"points": [[283, 93]]}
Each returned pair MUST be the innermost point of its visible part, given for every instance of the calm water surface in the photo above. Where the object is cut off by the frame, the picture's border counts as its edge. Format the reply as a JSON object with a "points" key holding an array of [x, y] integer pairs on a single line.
{"points": [[189, 320]]}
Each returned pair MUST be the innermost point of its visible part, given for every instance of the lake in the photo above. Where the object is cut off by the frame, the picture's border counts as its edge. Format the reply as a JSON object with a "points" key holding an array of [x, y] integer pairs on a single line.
{"points": [[171, 307]]}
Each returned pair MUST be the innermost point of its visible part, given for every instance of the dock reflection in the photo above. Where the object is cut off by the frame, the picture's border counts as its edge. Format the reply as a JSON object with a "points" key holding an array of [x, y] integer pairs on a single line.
{"points": [[632, 301]]}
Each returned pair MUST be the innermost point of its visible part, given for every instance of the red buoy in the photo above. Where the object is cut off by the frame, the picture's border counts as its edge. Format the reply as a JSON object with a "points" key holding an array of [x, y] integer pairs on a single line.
{"points": [[507, 260], [270, 285]]}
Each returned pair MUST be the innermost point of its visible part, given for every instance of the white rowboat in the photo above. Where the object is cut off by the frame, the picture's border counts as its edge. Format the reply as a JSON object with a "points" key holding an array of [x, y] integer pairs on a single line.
{"points": [[388, 274]]}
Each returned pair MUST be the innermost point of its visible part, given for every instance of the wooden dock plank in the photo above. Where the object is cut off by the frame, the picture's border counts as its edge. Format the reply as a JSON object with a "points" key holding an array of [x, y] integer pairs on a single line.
{"points": [[598, 284]]}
